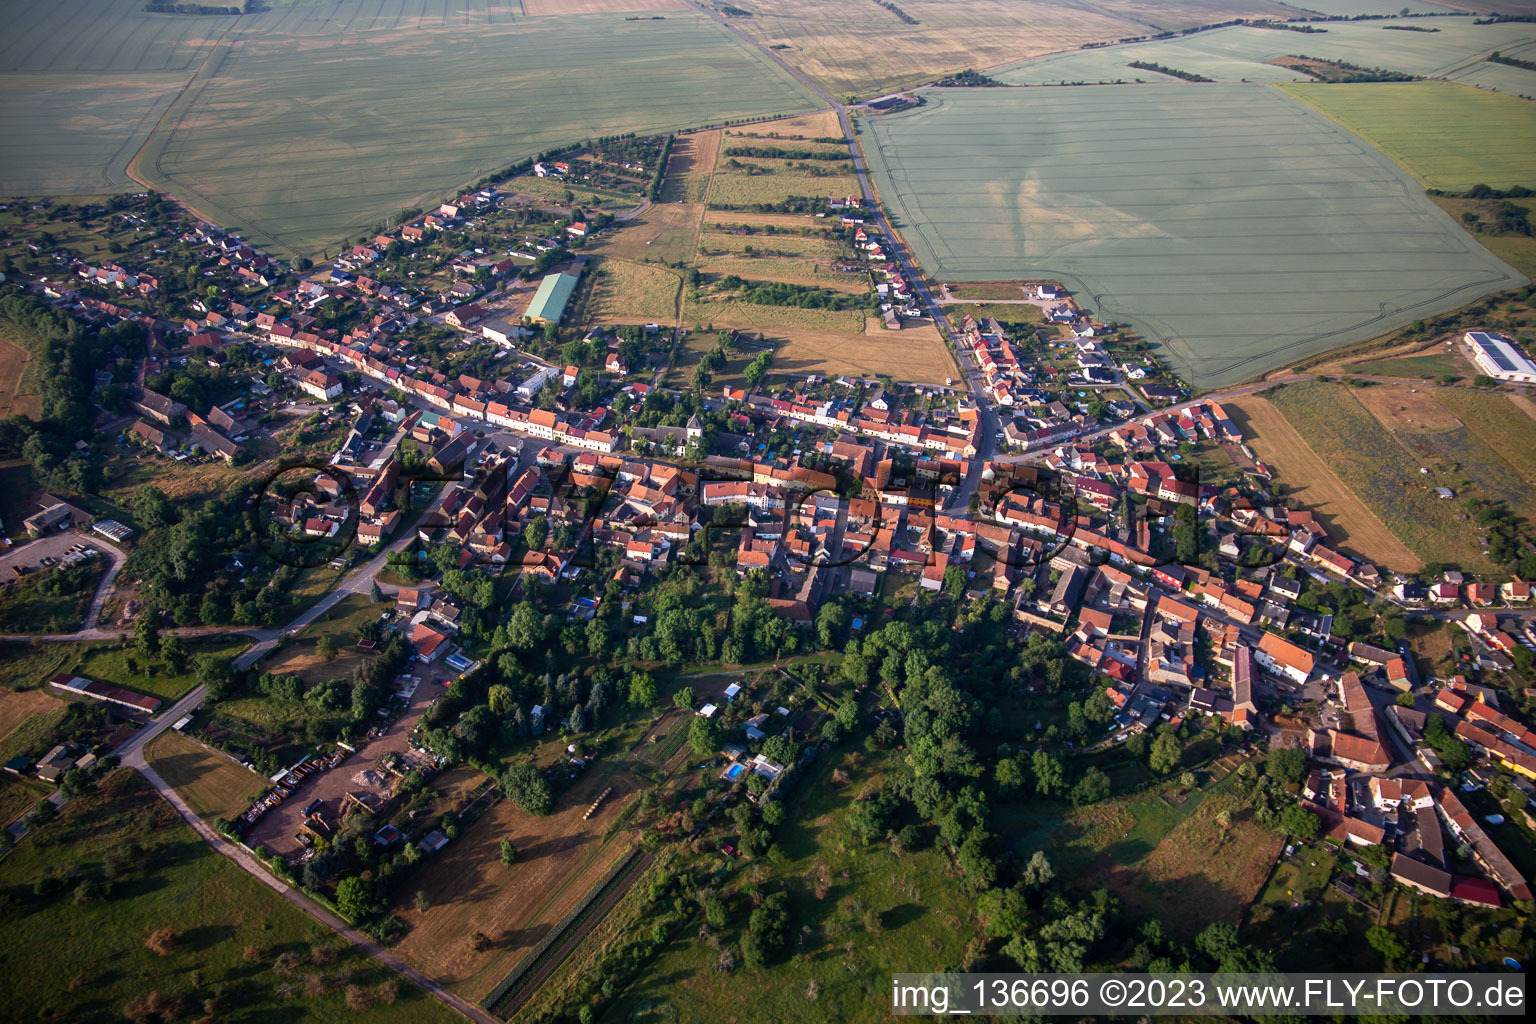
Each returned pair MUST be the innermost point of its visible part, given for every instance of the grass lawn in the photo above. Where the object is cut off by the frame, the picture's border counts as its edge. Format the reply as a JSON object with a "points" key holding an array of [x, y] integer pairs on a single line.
{"points": [[1429, 367], [120, 666], [1297, 881], [1013, 313], [212, 785], [87, 958]]}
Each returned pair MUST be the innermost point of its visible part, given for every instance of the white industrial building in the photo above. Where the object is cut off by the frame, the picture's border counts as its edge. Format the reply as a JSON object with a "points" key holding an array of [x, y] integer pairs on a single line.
{"points": [[1500, 359]]}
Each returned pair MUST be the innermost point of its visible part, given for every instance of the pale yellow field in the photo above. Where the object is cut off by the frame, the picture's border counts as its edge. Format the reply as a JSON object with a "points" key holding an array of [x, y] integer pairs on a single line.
{"points": [[737, 186], [811, 273], [665, 232], [731, 218], [689, 166], [712, 243], [820, 124], [625, 289], [865, 50], [746, 314], [915, 354], [535, 8]]}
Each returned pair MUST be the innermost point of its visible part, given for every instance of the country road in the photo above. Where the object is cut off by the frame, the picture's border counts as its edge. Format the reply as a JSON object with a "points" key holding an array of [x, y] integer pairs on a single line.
{"points": [[989, 422], [258, 870]]}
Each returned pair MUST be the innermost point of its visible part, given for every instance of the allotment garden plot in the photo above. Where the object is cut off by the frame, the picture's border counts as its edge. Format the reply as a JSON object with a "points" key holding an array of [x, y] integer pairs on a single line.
{"points": [[1231, 225]]}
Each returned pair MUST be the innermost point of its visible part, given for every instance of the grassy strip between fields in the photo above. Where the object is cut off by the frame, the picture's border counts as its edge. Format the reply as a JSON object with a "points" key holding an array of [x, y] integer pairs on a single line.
{"points": [[504, 989]]}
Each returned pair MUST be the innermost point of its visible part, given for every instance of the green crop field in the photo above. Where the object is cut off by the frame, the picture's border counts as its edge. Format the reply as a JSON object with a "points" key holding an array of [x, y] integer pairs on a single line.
{"points": [[82, 83], [294, 129], [1447, 136], [1240, 54], [1230, 224]]}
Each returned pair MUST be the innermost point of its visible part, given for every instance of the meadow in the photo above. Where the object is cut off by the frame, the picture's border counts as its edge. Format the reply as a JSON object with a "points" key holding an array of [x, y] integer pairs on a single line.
{"points": [[212, 784], [1240, 54], [835, 885], [86, 956], [1447, 136], [1232, 226], [1371, 459], [622, 291], [297, 132], [469, 890], [1514, 248], [773, 181], [120, 666], [1311, 481]]}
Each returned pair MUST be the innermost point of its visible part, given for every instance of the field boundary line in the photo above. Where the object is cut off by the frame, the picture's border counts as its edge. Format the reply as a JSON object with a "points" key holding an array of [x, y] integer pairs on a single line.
{"points": [[132, 167], [530, 959]]}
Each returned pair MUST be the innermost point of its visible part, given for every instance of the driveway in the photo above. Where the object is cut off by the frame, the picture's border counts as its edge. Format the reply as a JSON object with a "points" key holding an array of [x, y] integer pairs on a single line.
{"points": [[277, 829]]}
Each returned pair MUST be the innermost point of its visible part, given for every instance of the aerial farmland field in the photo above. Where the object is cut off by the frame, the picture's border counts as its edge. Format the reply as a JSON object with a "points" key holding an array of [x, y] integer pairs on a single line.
{"points": [[1234, 227], [1240, 54], [862, 49], [1377, 439], [1448, 136], [298, 135], [82, 84]]}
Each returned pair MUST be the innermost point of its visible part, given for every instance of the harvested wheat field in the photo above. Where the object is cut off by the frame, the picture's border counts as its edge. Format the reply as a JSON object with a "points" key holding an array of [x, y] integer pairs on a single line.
{"points": [[916, 354], [664, 232], [689, 166], [1315, 486], [16, 706], [471, 893]]}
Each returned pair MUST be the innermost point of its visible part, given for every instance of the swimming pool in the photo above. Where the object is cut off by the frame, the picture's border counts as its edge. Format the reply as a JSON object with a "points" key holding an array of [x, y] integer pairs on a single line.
{"points": [[734, 771]]}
